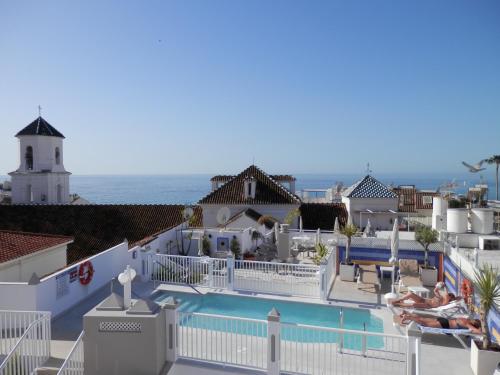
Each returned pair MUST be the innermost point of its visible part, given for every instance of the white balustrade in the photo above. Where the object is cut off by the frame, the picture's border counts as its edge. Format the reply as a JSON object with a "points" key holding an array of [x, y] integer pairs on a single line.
{"points": [[264, 277], [320, 350], [24, 341], [275, 346], [277, 278], [222, 339], [73, 365]]}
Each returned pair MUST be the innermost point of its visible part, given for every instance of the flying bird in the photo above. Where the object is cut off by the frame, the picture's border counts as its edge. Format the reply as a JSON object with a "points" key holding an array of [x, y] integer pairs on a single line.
{"points": [[474, 168]]}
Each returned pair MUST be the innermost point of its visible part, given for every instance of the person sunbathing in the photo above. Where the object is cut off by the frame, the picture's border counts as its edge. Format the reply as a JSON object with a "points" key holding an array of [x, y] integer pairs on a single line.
{"points": [[473, 325], [441, 298]]}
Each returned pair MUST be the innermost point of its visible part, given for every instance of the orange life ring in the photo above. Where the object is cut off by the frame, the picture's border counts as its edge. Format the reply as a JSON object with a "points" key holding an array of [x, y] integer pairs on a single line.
{"points": [[86, 272], [467, 290]]}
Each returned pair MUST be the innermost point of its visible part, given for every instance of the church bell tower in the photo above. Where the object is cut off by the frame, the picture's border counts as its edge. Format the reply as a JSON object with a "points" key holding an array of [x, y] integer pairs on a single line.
{"points": [[41, 177]]}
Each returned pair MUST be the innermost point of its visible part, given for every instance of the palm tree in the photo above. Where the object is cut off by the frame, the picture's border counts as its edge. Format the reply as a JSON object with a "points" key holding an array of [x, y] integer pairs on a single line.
{"points": [[495, 159], [487, 287], [348, 230]]}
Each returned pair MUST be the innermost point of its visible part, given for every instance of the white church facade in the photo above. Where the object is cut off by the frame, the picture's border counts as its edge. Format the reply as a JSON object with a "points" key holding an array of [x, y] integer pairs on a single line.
{"points": [[41, 177]]}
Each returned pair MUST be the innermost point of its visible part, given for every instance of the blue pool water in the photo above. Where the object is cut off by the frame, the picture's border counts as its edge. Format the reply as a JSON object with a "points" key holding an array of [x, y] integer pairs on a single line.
{"points": [[291, 312]]}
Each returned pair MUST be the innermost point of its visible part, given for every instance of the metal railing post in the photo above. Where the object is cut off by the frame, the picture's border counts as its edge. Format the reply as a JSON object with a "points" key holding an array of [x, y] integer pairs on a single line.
{"points": [[341, 326], [363, 341], [230, 272], [413, 351], [273, 342], [170, 308], [211, 273], [323, 282]]}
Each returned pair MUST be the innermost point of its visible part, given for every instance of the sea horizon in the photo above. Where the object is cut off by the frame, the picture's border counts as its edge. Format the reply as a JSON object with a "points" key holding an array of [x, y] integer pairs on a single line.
{"points": [[190, 188]]}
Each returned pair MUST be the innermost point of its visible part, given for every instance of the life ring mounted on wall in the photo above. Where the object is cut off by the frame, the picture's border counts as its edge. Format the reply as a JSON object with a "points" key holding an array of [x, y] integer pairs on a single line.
{"points": [[86, 272]]}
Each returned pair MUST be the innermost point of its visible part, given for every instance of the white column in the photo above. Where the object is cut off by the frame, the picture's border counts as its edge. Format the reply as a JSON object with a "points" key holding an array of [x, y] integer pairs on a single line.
{"points": [[211, 273], [322, 281], [170, 308], [230, 272], [413, 351], [273, 342]]}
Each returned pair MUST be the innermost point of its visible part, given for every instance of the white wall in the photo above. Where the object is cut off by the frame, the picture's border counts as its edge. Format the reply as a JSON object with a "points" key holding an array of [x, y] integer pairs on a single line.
{"points": [[107, 265], [381, 221], [18, 296], [42, 263], [278, 211]]}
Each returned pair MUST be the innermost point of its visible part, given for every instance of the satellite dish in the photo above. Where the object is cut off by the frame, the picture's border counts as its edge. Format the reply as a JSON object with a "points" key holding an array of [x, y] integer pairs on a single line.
{"points": [[223, 215], [188, 213]]}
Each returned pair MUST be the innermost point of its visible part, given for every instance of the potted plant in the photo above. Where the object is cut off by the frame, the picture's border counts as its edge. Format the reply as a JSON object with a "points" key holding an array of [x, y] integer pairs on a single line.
{"points": [[205, 245], [427, 236], [347, 268], [484, 358], [321, 253], [235, 247]]}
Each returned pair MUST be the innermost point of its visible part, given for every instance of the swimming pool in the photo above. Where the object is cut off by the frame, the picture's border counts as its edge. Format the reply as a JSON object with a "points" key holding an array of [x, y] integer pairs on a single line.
{"points": [[291, 312]]}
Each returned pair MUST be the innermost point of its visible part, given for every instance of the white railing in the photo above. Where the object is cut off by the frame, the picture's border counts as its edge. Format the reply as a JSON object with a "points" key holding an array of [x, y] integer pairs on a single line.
{"points": [[31, 333], [263, 277], [277, 278], [73, 364], [278, 347], [222, 339], [13, 324], [201, 271], [319, 350]]}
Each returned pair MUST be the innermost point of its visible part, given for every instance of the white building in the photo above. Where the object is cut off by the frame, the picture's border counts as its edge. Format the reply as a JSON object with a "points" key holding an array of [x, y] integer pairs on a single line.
{"points": [[22, 254], [254, 189], [370, 199], [41, 177]]}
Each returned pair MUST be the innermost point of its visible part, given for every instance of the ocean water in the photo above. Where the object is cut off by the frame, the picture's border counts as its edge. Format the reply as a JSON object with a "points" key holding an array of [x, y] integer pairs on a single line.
{"points": [[189, 189]]}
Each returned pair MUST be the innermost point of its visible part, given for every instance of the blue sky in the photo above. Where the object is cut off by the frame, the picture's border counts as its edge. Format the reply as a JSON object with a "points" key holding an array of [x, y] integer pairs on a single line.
{"points": [[299, 86]]}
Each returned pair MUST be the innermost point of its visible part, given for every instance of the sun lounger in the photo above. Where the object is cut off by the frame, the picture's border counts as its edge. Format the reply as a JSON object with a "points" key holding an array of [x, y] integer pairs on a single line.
{"points": [[368, 276], [408, 273], [456, 333], [454, 309]]}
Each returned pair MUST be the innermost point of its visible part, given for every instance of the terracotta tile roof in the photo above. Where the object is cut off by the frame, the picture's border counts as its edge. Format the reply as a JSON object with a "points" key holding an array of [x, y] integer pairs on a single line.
{"points": [[322, 215], [15, 244], [411, 199], [268, 190], [94, 227], [40, 127], [275, 177], [368, 187]]}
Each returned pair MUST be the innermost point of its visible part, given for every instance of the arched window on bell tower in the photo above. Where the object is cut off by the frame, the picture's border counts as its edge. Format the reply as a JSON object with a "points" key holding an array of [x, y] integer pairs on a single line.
{"points": [[57, 156], [29, 158]]}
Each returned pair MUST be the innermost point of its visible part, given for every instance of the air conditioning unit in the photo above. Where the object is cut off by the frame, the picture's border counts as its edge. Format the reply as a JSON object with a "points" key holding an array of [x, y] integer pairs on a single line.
{"points": [[489, 243]]}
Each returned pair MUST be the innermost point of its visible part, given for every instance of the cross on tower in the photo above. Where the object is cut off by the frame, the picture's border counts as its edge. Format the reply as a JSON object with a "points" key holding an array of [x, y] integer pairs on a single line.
{"points": [[368, 170], [39, 110]]}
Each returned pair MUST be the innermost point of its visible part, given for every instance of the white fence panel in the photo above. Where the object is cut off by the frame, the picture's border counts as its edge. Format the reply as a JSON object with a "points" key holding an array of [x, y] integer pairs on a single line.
{"points": [[32, 341], [223, 339], [277, 278], [73, 365], [318, 350]]}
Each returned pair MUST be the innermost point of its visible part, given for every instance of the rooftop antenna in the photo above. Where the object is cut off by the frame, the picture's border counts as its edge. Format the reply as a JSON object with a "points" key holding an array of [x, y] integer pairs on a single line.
{"points": [[368, 170], [39, 110]]}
